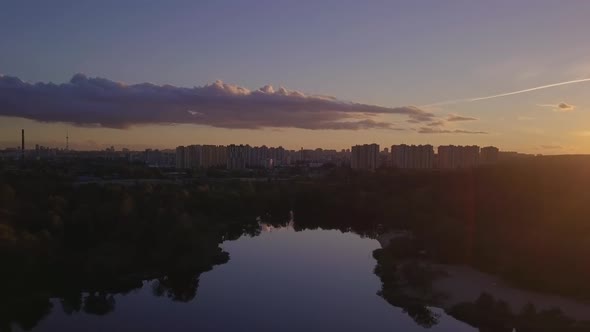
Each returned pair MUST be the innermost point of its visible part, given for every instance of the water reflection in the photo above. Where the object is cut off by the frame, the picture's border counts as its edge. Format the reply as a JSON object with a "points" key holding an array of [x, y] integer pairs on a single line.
{"points": [[177, 287], [300, 279], [24, 313], [99, 303], [315, 280]]}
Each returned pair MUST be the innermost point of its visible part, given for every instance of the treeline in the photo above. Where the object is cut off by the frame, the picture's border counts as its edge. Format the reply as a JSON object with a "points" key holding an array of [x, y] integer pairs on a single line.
{"points": [[528, 221], [489, 314], [84, 243]]}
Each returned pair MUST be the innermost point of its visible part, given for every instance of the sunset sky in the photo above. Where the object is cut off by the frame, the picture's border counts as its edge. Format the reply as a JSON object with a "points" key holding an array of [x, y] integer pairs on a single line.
{"points": [[353, 72]]}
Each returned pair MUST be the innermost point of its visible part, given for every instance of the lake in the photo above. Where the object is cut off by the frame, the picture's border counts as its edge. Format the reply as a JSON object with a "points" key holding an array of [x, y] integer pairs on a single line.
{"points": [[280, 280]]}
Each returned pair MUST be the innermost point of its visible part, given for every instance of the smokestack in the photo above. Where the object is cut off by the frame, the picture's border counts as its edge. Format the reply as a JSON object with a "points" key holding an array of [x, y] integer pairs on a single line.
{"points": [[22, 147]]}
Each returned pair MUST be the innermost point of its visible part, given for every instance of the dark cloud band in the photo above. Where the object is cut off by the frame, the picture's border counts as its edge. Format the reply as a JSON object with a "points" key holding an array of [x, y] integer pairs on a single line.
{"points": [[101, 102]]}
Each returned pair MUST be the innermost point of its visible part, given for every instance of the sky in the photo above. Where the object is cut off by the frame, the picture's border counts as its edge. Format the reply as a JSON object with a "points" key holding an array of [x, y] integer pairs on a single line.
{"points": [[159, 74]]}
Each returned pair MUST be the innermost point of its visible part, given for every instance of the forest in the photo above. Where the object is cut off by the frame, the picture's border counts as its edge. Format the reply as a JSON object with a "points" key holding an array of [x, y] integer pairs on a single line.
{"points": [[526, 221]]}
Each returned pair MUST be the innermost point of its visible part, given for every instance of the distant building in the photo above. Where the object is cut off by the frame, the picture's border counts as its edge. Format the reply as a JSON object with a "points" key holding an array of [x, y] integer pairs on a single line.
{"points": [[212, 156], [157, 158], [246, 156], [237, 155], [201, 156], [22, 147], [180, 156], [489, 155], [412, 156], [365, 156], [192, 156], [277, 156], [451, 156], [384, 158], [504, 156], [258, 156]]}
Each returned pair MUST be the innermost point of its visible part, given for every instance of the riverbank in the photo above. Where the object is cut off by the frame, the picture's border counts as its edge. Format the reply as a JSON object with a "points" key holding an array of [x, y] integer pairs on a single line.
{"points": [[465, 284], [415, 283]]}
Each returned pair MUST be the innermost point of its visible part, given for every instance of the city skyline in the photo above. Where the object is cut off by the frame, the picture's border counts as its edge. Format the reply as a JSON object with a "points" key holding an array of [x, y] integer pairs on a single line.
{"points": [[30, 146], [520, 85], [243, 156]]}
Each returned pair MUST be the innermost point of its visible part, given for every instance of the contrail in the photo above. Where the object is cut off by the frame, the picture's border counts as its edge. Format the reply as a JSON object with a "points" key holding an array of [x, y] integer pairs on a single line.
{"points": [[468, 100]]}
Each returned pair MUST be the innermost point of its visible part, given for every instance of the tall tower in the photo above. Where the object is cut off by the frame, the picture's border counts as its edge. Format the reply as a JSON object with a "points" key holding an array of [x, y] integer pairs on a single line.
{"points": [[22, 146], [67, 141]]}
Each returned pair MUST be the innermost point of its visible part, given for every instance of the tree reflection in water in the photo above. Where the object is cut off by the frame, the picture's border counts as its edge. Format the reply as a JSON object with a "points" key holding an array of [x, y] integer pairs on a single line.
{"points": [[71, 303], [178, 287], [99, 303], [25, 313], [486, 314]]}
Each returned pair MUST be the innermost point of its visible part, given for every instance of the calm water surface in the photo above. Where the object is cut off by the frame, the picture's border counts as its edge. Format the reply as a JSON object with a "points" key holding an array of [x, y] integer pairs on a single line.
{"points": [[281, 280]]}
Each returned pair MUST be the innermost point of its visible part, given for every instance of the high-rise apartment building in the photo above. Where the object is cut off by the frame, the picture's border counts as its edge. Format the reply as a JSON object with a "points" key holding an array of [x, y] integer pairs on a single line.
{"points": [[192, 156], [237, 155], [412, 156], [201, 156], [180, 152], [212, 156], [489, 155], [158, 158], [451, 156], [365, 156]]}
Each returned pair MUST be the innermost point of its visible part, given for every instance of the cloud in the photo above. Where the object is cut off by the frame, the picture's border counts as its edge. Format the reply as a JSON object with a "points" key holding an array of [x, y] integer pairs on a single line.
{"points": [[195, 113], [101, 102], [456, 117], [564, 107], [430, 130], [438, 123], [561, 107], [552, 147], [439, 126]]}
